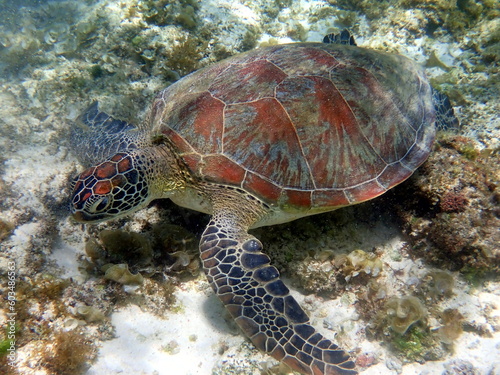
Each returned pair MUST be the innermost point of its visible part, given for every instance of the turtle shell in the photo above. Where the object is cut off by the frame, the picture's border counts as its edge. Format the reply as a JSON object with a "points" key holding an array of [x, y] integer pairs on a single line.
{"points": [[302, 126]]}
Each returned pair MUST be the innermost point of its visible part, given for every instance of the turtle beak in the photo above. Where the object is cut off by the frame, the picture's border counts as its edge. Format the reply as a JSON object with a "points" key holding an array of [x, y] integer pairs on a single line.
{"points": [[82, 217], [78, 216]]}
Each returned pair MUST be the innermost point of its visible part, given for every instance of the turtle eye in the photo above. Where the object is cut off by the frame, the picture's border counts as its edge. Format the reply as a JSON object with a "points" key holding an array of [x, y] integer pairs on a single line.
{"points": [[100, 204]]}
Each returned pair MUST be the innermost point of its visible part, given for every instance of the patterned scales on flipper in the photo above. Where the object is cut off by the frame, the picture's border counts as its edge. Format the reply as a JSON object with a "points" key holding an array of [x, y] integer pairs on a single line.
{"points": [[96, 136], [261, 304]]}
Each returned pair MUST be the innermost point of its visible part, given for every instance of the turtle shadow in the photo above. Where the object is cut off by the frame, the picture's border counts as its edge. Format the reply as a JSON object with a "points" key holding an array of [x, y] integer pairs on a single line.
{"points": [[218, 317]]}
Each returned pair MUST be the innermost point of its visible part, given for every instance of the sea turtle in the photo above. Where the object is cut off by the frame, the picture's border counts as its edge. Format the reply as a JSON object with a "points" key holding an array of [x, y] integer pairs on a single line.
{"points": [[261, 138]]}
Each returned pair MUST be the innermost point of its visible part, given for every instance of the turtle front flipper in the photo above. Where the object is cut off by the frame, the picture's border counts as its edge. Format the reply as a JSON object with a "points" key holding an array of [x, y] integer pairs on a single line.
{"points": [[260, 303], [96, 136], [445, 115]]}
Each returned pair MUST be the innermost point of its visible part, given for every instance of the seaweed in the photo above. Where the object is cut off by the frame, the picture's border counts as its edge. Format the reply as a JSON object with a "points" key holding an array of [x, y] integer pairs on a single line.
{"points": [[185, 56], [68, 354]]}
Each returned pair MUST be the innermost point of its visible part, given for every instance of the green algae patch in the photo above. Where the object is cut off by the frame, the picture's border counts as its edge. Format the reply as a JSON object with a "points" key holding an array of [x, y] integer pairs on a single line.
{"points": [[413, 344]]}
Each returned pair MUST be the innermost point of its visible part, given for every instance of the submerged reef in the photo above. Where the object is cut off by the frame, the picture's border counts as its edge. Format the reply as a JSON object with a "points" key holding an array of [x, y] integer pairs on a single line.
{"points": [[142, 268], [121, 274], [450, 208], [404, 325], [162, 248], [168, 12], [440, 284], [402, 312], [325, 253], [42, 303], [453, 16]]}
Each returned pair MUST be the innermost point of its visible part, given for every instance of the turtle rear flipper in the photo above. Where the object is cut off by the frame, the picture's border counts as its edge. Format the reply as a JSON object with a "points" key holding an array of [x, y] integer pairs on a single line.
{"points": [[344, 37], [250, 288], [96, 136], [445, 115]]}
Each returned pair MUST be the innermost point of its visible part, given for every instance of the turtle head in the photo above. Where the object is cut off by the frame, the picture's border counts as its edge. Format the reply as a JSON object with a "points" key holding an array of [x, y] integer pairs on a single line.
{"points": [[110, 189]]}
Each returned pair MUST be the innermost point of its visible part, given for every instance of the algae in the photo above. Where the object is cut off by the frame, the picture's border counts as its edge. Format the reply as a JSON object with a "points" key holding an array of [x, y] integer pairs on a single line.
{"points": [[402, 312], [121, 274]]}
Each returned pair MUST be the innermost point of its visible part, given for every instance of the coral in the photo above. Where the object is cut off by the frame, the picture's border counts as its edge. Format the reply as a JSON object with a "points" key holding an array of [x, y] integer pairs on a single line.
{"points": [[167, 12], [250, 38], [185, 55], [451, 328], [413, 345], [366, 360], [322, 252], [449, 208], [6, 342], [120, 245], [456, 16], [402, 323], [370, 9], [453, 202], [357, 262], [41, 304], [97, 71], [373, 300], [179, 248], [164, 247], [6, 229], [417, 343], [402, 312], [172, 347], [90, 313], [460, 367], [441, 284], [121, 274]]}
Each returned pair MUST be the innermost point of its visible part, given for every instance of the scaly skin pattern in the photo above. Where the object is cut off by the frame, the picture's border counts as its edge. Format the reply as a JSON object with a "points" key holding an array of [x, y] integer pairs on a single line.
{"points": [[250, 288], [108, 189], [96, 136], [125, 183]]}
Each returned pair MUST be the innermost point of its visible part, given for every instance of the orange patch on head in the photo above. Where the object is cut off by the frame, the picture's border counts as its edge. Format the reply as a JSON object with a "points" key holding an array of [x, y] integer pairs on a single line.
{"points": [[86, 195], [102, 187], [124, 165], [106, 170]]}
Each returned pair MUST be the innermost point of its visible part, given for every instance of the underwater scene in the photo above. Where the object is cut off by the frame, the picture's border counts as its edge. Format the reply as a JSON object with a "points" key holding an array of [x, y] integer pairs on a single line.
{"points": [[405, 283]]}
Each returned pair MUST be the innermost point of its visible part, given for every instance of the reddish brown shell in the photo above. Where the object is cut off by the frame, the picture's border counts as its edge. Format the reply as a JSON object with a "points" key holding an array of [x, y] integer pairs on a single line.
{"points": [[306, 125]]}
